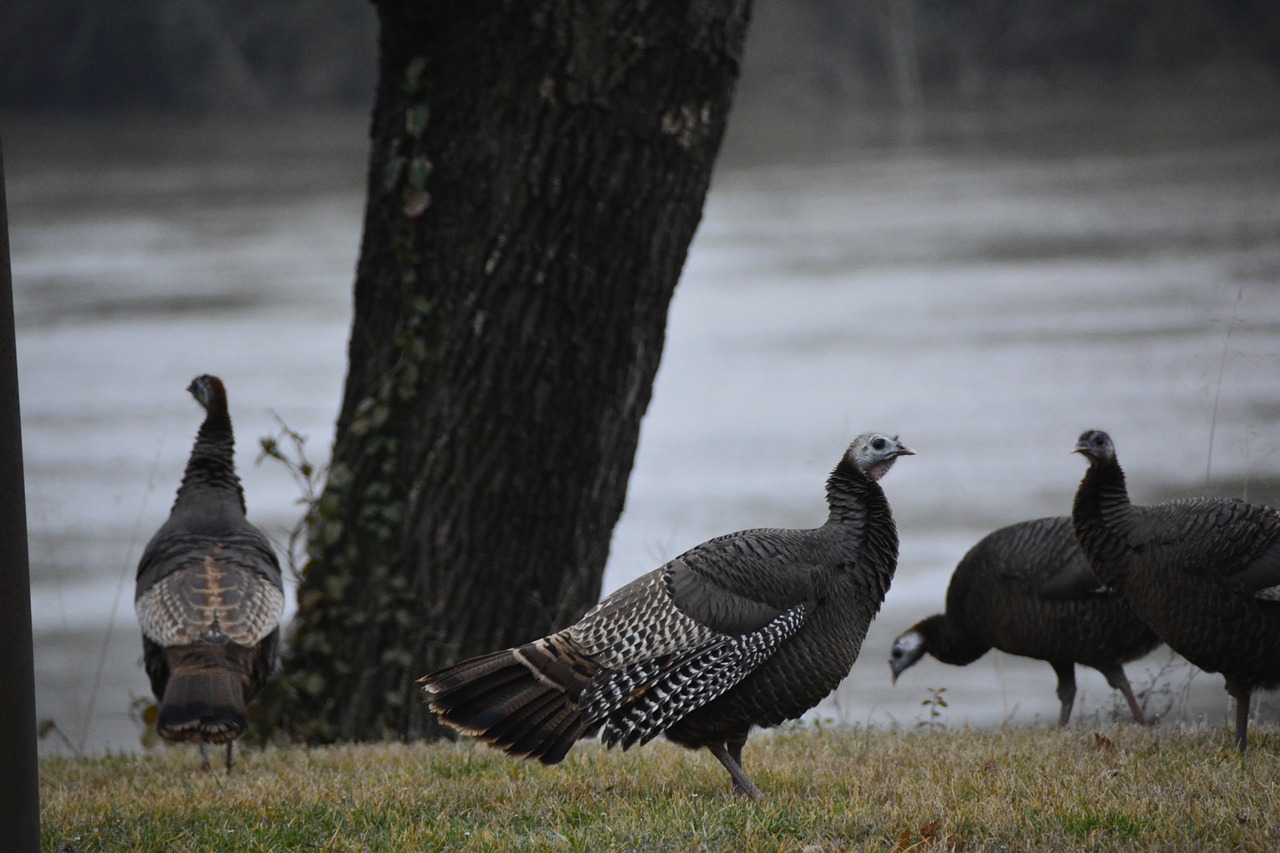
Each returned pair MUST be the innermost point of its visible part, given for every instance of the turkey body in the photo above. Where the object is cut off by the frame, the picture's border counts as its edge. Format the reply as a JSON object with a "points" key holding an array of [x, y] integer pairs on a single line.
{"points": [[1203, 573], [1027, 590], [748, 629], [209, 594]]}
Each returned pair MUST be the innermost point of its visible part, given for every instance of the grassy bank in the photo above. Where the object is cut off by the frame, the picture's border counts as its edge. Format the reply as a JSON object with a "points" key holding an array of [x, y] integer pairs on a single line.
{"points": [[1119, 787]]}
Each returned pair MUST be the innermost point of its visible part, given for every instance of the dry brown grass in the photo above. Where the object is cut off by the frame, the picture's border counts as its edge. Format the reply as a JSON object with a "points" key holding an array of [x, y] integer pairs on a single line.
{"points": [[1121, 787]]}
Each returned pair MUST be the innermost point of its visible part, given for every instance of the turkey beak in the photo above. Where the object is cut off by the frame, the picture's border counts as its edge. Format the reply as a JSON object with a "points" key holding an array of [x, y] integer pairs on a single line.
{"points": [[895, 669], [903, 450]]}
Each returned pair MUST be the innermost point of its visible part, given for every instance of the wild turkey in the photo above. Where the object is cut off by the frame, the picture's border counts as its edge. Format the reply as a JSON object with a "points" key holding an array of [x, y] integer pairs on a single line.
{"points": [[209, 594], [1026, 589], [1203, 573], [748, 629]]}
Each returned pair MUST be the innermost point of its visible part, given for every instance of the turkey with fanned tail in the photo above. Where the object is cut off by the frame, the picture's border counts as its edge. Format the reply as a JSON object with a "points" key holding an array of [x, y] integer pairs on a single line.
{"points": [[1027, 589], [748, 629], [209, 594], [1203, 573]]}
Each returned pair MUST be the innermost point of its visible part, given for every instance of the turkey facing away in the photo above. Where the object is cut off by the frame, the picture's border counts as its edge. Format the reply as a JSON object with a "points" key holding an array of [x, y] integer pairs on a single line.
{"points": [[209, 594], [748, 629], [1026, 589], [1203, 573]]}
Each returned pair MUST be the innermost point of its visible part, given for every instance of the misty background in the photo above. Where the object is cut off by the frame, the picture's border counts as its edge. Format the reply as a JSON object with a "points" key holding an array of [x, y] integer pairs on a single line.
{"points": [[197, 56], [985, 228]]}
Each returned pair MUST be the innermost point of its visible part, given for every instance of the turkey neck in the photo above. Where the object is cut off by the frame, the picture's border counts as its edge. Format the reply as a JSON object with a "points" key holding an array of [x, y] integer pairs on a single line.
{"points": [[1103, 520], [948, 642], [212, 461], [861, 511], [850, 494]]}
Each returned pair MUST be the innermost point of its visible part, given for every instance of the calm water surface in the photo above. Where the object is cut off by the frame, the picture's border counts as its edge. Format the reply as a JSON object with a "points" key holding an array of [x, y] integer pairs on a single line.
{"points": [[987, 282]]}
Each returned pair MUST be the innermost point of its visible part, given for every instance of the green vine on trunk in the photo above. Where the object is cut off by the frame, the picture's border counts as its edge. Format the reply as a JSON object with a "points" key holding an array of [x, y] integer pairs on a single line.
{"points": [[352, 525]]}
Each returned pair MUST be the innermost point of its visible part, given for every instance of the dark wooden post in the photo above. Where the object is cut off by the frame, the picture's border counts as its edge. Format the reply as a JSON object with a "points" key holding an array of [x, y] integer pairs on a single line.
{"points": [[20, 802]]}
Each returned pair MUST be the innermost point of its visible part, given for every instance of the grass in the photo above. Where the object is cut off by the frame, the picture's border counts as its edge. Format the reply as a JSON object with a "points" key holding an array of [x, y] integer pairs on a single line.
{"points": [[1121, 787]]}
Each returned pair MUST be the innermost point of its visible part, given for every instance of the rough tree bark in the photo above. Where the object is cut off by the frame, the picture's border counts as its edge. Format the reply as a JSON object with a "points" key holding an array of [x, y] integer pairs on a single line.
{"points": [[536, 174]]}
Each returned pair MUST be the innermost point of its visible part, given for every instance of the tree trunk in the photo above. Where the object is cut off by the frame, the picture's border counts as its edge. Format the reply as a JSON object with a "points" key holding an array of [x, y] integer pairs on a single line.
{"points": [[537, 172]]}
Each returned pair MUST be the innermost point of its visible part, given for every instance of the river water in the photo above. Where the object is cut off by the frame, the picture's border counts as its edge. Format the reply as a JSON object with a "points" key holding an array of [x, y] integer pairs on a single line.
{"points": [[986, 281]]}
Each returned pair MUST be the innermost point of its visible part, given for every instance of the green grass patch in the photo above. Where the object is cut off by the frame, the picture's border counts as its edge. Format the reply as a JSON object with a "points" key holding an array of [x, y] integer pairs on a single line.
{"points": [[1121, 788]]}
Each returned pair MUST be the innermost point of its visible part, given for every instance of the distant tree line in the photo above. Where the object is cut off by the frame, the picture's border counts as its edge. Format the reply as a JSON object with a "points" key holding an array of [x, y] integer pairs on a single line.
{"points": [[239, 55], [185, 55], [969, 48]]}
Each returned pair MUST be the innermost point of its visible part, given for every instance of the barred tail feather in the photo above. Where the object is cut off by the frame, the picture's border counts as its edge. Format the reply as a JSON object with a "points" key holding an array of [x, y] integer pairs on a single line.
{"points": [[523, 701], [204, 697], [539, 728], [557, 735]]}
